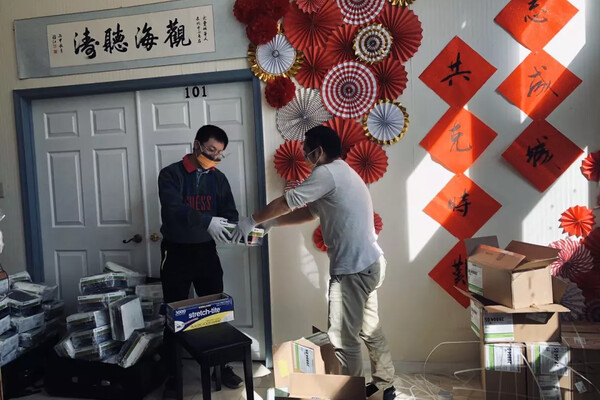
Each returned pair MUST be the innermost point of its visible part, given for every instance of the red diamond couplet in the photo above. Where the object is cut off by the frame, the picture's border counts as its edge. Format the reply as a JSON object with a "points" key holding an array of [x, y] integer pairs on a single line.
{"points": [[452, 271], [541, 154], [457, 73], [462, 207], [538, 85], [533, 23], [458, 139]]}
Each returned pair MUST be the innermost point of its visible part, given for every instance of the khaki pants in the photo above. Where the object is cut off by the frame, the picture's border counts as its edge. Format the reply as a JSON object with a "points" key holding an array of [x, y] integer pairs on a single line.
{"points": [[352, 315]]}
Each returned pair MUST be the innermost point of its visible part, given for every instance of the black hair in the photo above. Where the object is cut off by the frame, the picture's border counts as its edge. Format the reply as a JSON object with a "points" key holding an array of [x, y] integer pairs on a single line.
{"points": [[325, 137], [210, 131]]}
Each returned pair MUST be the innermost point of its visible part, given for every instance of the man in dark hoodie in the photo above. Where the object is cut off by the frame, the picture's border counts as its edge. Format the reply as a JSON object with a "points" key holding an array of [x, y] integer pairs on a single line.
{"points": [[196, 203]]}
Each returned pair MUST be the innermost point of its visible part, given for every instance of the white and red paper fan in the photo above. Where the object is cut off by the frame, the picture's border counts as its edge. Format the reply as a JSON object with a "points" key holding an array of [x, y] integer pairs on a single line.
{"points": [[590, 166], [577, 221], [358, 12], [378, 222], [368, 160], [372, 43], [289, 161], [305, 30], [317, 61], [573, 260], [277, 57], [574, 300], [305, 111], [310, 6], [387, 122], [341, 43], [593, 310], [402, 3], [592, 243], [349, 90], [405, 27], [289, 185], [349, 131], [391, 77], [318, 239]]}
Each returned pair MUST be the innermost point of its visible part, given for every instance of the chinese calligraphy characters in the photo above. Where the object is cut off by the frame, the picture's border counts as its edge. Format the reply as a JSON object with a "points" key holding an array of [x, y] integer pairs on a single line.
{"points": [[463, 204], [455, 137], [458, 271], [533, 4], [539, 153], [455, 68], [538, 84]]}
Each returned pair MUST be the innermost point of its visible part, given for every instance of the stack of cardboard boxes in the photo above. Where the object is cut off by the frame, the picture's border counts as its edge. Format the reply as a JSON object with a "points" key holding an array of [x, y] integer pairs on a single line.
{"points": [[516, 315]]}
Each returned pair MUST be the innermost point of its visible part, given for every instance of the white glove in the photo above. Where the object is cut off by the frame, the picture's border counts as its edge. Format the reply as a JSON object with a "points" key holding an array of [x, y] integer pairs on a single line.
{"points": [[217, 230], [267, 225], [243, 229]]}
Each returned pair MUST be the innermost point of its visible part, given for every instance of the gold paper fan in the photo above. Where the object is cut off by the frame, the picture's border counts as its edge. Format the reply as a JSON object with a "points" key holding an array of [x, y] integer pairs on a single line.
{"points": [[276, 58], [386, 122], [402, 3]]}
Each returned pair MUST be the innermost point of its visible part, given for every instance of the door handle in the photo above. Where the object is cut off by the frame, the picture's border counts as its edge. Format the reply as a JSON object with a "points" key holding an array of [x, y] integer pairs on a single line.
{"points": [[137, 238], [155, 237]]}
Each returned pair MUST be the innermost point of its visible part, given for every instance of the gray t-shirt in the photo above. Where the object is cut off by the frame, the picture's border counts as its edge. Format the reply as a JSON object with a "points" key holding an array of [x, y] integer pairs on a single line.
{"points": [[339, 197]]}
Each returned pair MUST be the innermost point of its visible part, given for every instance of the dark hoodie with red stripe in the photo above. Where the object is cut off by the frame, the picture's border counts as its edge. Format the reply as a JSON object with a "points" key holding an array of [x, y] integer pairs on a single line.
{"points": [[189, 198]]}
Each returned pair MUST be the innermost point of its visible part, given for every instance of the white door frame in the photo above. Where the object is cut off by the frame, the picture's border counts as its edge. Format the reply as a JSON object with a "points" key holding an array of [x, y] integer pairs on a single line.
{"points": [[27, 167]]}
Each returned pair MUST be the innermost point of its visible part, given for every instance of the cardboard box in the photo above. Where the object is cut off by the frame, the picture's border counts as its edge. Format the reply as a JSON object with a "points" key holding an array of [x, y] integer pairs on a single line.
{"points": [[584, 354], [196, 313], [495, 323], [516, 277], [503, 371], [550, 379], [303, 370]]}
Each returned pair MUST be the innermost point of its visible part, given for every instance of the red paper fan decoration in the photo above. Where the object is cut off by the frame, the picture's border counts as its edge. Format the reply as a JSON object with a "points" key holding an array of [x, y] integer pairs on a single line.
{"points": [[318, 239], [245, 10], [592, 243], [349, 90], [289, 161], [261, 29], [405, 27], [289, 185], [317, 61], [276, 8], [310, 6], [308, 30], [391, 77], [360, 12], [577, 221], [368, 160], [592, 308], [573, 260], [341, 44], [378, 222], [349, 131], [280, 91], [590, 166]]}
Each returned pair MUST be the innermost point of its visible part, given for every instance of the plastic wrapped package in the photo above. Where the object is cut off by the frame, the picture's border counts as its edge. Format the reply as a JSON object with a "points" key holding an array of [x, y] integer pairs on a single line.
{"points": [[9, 342], [4, 283], [87, 320], [22, 276], [91, 337], [255, 237], [32, 338], [102, 283], [125, 317], [23, 304], [4, 309], [53, 309], [150, 292], [24, 324], [4, 324], [54, 326], [8, 358], [64, 348], [45, 292], [95, 302], [150, 310], [133, 278], [138, 344]]}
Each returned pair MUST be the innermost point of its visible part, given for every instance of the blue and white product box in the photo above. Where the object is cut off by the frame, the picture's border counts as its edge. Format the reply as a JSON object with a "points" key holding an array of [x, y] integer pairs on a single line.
{"points": [[196, 313]]}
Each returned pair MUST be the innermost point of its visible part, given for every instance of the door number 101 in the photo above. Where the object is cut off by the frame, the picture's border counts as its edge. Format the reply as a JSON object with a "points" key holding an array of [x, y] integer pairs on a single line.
{"points": [[195, 91]]}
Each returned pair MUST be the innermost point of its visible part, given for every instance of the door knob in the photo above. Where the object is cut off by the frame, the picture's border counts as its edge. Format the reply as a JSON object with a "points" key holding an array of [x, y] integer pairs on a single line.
{"points": [[155, 237], [137, 238]]}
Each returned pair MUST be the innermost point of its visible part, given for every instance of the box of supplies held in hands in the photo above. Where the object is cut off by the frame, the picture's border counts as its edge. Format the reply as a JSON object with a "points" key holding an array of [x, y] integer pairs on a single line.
{"points": [[255, 237], [196, 313]]}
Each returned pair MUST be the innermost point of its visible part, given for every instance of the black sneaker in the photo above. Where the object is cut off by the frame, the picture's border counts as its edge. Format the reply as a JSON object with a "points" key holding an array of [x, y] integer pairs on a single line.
{"points": [[229, 378], [170, 390], [389, 393]]}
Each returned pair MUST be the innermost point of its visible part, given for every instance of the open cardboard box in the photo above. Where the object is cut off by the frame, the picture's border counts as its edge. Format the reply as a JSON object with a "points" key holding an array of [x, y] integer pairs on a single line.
{"points": [[495, 323], [307, 368], [516, 277]]}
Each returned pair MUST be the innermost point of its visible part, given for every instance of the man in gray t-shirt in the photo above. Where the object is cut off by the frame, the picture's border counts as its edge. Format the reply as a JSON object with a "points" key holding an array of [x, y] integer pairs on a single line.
{"points": [[337, 195]]}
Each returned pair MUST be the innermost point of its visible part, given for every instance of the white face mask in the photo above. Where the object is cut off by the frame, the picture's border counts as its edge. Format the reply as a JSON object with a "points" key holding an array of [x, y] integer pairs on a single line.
{"points": [[307, 158]]}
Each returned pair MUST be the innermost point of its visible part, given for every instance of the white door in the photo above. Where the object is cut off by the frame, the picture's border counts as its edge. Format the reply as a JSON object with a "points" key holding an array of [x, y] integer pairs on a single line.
{"points": [[89, 187], [169, 119]]}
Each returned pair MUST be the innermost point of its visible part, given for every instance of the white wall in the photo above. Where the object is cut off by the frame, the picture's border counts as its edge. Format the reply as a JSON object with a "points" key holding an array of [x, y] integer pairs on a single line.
{"points": [[416, 313]]}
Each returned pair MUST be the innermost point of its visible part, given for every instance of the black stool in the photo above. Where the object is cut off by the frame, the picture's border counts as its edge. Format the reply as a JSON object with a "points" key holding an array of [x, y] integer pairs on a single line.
{"points": [[214, 345]]}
